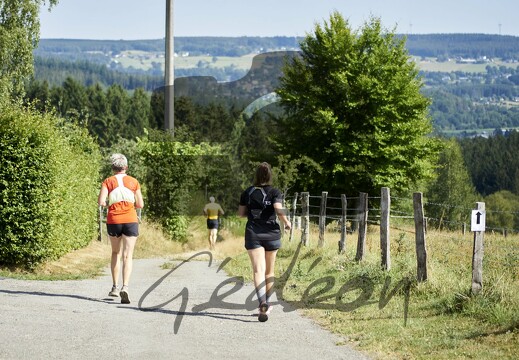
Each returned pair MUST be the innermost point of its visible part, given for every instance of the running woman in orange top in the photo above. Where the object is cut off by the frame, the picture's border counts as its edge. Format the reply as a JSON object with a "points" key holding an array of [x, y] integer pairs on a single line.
{"points": [[123, 193]]}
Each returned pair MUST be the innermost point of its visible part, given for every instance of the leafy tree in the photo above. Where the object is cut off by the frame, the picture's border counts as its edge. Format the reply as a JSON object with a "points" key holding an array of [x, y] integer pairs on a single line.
{"points": [[19, 35], [354, 107], [118, 103], [38, 93], [74, 101], [492, 162], [452, 192], [139, 114], [157, 109], [172, 181], [501, 208]]}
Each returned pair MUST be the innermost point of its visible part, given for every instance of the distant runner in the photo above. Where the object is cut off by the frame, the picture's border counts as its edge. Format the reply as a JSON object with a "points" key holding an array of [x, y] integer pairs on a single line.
{"points": [[212, 211]]}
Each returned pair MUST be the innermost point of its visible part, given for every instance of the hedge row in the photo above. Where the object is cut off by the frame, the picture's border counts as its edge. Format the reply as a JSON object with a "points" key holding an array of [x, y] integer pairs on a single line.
{"points": [[49, 181]]}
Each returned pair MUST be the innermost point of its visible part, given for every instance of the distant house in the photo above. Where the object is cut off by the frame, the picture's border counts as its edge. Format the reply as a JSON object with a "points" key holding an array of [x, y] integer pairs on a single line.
{"points": [[461, 60]]}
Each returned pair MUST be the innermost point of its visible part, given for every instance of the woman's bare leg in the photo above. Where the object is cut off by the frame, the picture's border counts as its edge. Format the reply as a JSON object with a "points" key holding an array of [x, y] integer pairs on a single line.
{"points": [[128, 247], [270, 260], [115, 259], [257, 258]]}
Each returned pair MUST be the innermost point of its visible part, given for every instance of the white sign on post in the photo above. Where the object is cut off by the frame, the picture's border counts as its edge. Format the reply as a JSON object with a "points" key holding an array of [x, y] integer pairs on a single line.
{"points": [[477, 222]]}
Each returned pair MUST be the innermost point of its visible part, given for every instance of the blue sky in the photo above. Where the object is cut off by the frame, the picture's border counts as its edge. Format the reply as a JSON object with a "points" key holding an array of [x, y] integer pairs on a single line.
{"points": [[138, 19]]}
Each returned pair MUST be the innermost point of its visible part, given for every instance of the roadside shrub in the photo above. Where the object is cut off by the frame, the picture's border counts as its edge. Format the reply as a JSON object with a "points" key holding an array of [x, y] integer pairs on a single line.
{"points": [[49, 182], [172, 179]]}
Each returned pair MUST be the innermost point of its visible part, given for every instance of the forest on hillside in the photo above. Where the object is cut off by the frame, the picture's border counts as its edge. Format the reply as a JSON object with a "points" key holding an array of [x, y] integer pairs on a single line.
{"points": [[428, 45]]}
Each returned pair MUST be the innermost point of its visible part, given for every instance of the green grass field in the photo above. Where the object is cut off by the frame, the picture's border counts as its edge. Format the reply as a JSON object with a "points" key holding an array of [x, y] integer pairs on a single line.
{"points": [[144, 60], [431, 64]]}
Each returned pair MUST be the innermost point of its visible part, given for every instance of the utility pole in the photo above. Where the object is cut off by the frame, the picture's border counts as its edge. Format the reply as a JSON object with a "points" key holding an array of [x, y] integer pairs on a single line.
{"points": [[169, 78]]}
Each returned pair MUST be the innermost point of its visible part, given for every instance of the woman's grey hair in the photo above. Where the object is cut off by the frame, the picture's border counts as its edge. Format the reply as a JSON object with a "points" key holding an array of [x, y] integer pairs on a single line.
{"points": [[119, 162]]}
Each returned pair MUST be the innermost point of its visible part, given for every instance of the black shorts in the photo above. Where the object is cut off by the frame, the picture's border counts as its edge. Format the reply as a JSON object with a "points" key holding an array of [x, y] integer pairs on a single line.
{"points": [[269, 245], [129, 229], [212, 223]]}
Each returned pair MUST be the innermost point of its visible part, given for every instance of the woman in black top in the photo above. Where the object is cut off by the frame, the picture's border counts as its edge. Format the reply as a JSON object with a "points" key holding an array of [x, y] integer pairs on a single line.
{"points": [[262, 204]]}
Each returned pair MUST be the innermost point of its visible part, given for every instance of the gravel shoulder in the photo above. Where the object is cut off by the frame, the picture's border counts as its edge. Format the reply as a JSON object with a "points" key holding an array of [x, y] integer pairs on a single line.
{"points": [[193, 311]]}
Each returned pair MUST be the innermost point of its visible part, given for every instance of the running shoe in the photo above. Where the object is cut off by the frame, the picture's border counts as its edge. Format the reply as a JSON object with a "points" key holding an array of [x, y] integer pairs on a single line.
{"points": [[125, 297], [114, 292], [263, 316], [269, 310]]}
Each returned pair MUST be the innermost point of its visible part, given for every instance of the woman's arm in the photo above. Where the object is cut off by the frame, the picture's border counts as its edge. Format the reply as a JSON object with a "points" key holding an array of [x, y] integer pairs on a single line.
{"points": [[101, 200], [280, 211], [242, 211], [139, 202]]}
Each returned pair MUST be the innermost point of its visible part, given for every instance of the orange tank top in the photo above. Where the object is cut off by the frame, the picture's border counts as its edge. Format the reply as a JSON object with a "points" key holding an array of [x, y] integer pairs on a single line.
{"points": [[122, 211]]}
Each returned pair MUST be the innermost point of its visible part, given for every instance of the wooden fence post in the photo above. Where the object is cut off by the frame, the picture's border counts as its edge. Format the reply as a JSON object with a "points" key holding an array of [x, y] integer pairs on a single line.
{"points": [[305, 218], [421, 250], [477, 256], [322, 218], [385, 204], [293, 217], [342, 241], [363, 226]]}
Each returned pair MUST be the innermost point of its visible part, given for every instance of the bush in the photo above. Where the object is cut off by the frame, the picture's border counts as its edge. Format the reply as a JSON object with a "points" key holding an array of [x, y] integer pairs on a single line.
{"points": [[49, 180], [173, 174]]}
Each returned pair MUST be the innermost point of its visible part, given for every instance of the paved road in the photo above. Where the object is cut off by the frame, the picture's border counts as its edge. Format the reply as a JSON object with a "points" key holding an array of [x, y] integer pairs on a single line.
{"points": [[184, 319]]}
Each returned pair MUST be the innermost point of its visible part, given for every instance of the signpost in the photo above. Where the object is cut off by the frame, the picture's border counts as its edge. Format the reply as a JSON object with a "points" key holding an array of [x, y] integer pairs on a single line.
{"points": [[478, 227], [477, 222]]}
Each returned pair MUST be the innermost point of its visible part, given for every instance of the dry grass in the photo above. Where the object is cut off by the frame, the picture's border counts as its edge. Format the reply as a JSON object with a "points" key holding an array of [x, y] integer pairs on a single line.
{"points": [[91, 261]]}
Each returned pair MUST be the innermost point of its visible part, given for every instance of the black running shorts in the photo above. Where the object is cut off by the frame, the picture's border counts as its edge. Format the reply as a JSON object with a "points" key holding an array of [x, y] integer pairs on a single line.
{"points": [[212, 223], [129, 229], [269, 245]]}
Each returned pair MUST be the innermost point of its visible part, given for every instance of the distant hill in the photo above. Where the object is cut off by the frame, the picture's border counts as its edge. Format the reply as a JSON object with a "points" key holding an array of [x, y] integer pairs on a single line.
{"points": [[464, 45], [429, 45]]}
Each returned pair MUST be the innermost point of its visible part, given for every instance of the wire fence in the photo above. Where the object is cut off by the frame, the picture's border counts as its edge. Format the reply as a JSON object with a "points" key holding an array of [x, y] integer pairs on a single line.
{"points": [[346, 215], [401, 210]]}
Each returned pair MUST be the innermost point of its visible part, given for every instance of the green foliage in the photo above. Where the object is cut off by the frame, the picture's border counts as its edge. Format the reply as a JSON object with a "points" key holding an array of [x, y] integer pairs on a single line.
{"points": [[48, 185], [109, 115], [286, 171], [87, 71], [19, 34], [452, 192], [354, 107], [502, 208], [173, 174], [492, 162]]}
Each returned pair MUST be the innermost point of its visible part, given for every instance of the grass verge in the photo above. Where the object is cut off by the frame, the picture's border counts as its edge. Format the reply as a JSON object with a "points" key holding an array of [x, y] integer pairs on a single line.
{"points": [[387, 314]]}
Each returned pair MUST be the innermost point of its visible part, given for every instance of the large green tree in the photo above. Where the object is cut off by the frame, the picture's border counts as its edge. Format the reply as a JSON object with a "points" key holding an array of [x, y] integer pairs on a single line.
{"points": [[451, 195], [354, 106], [19, 35]]}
